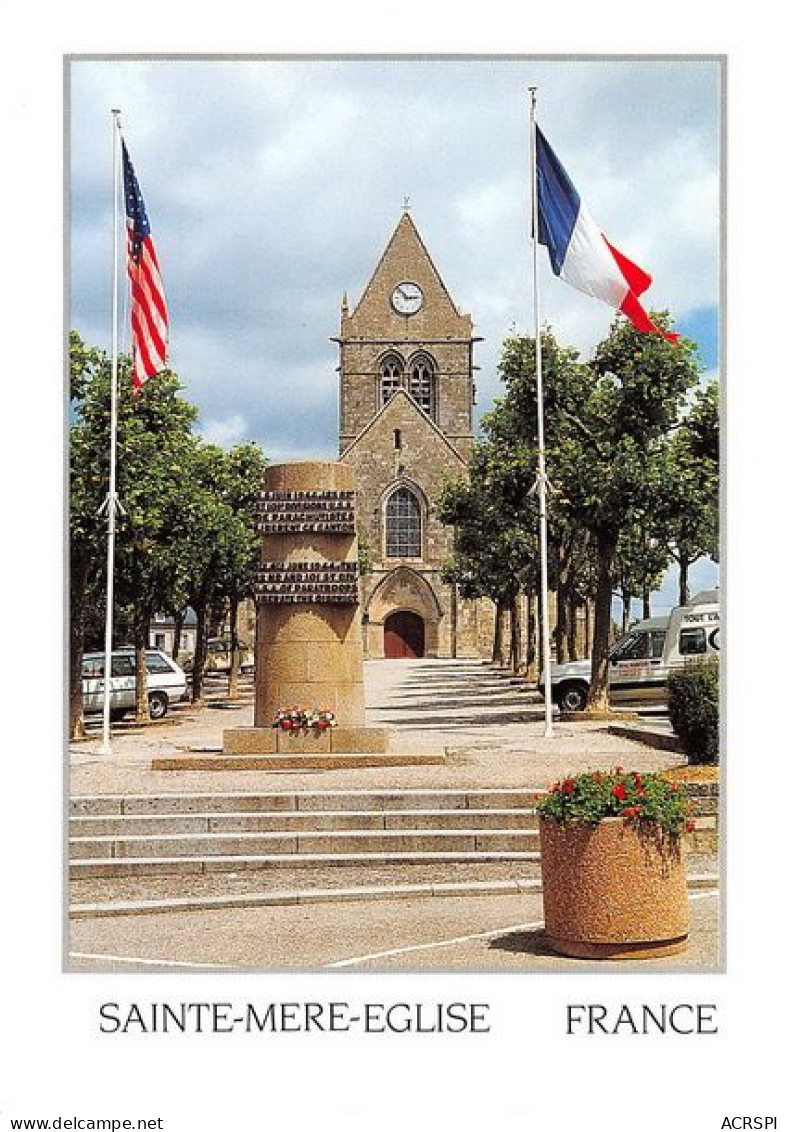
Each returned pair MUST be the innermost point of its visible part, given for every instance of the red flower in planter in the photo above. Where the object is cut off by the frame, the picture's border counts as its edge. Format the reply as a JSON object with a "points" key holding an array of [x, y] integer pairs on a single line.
{"points": [[590, 797], [690, 826]]}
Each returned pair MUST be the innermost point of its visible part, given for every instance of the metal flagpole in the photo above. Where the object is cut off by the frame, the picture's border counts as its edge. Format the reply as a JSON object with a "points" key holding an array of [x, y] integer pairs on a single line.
{"points": [[541, 478], [110, 504]]}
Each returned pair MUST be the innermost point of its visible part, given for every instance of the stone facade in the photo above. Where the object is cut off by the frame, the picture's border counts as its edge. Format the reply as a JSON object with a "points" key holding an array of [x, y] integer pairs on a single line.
{"points": [[406, 425]]}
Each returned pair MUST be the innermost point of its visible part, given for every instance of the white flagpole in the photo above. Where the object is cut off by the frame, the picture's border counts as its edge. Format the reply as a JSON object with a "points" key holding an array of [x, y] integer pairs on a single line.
{"points": [[541, 473], [111, 501]]}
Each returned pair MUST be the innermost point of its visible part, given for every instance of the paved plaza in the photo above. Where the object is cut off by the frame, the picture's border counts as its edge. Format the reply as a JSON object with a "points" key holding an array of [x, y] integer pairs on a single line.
{"points": [[491, 725]]}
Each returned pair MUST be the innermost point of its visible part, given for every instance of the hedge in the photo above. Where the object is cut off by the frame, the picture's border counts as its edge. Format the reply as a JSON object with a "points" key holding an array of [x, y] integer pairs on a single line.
{"points": [[693, 707]]}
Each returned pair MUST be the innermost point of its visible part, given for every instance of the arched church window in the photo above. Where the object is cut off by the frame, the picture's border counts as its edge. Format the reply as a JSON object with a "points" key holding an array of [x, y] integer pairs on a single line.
{"points": [[390, 377], [403, 525], [421, 384]]}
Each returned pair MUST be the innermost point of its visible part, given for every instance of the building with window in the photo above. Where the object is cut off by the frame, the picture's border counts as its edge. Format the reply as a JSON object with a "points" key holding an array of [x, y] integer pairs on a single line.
{"points": [[406, 424], [161, 633]]}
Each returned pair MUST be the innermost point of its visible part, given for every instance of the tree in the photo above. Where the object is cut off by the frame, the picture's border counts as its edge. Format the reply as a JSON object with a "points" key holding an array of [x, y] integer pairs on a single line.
{"points": [[215, 543], [366, 558], [640, 563], [690, 517], [494, 555], [89, 377], [512, 431], [640, 385], [239, 486], [152, 436], [152, 460]]}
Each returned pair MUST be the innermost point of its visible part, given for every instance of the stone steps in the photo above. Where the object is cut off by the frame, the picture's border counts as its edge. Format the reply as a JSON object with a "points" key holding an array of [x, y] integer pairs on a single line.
{"points": [[187, 834], [297, 821], [151, 866], [144, 853], [312, 843], [260, 801]]}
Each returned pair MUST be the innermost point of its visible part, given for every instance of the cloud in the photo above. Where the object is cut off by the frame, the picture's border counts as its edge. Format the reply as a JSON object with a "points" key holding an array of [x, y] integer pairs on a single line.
{"points": [[273, 187], [227, 432]]}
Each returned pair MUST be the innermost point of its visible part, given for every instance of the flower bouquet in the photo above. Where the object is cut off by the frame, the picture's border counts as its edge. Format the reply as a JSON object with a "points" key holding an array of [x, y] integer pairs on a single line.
{"points": [[296, 719]]}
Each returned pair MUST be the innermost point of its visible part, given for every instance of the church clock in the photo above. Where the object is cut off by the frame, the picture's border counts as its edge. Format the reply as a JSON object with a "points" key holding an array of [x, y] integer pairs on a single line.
{"points": [[407, 298]]}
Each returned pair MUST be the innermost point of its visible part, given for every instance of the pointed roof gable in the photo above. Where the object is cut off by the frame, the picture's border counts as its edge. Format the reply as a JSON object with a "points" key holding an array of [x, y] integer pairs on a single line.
{"points": [[406, 259], [403, 410]]}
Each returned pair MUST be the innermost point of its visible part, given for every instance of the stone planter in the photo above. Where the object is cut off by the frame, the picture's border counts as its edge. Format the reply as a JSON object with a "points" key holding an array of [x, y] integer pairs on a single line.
{"points": [[613, 891]]}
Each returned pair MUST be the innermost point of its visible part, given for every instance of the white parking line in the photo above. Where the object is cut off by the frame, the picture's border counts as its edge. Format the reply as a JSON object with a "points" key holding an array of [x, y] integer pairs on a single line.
{"points": [[534, 926], [143, 962], [354, 960], [440, 943]]}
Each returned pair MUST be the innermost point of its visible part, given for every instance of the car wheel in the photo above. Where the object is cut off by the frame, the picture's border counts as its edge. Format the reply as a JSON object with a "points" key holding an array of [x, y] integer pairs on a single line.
{"points": [[572, 697], [157, 705]]}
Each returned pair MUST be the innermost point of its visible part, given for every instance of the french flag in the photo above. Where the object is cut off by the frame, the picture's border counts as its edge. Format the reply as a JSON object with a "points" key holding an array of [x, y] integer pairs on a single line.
{"points": [[579, 253]]}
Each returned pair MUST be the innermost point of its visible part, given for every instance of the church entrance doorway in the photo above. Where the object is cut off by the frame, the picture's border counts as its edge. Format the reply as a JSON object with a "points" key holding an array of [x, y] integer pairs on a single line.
{"points": [[403, 636]]}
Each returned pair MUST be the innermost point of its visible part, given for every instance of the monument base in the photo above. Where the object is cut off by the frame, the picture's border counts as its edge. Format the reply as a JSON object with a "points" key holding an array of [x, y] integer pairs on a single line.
{"points": [[335, 740], [336, 761]]}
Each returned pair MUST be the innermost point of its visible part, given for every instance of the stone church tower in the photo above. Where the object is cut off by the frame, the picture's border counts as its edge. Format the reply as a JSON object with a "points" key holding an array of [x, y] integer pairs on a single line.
{"points": [[405, 425]]}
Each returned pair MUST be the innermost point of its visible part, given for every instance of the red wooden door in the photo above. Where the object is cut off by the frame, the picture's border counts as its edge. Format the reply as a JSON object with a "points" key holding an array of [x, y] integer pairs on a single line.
{"points": [[403, 636]]}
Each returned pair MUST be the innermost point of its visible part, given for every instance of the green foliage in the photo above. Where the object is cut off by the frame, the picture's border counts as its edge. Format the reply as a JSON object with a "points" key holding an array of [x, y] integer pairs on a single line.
{"points": [[494, 553], [365, 555], [237, 480], [641, 558], [688, 512], [693, 708], [187, 532], [647, 799]]}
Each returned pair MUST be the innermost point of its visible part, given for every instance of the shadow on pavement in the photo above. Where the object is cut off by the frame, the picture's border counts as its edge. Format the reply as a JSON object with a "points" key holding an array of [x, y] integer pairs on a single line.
{"points": [[457, 721], [523, 943]]}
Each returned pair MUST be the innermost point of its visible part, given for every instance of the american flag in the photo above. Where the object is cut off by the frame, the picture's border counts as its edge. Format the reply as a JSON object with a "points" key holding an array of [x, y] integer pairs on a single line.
{"points": [[149, 321]]}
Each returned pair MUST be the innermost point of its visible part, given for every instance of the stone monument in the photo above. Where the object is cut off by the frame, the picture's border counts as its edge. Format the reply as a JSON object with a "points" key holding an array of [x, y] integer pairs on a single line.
{"points": [[309, 653]]}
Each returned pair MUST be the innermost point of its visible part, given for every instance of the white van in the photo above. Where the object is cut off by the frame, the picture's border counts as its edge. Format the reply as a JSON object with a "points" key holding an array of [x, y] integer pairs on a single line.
{"points": [[642, 660], [166, 683]]}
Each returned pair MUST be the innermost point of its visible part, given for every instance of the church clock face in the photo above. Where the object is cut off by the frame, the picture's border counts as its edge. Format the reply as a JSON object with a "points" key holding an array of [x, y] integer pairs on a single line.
{"points": [[407, 298]]}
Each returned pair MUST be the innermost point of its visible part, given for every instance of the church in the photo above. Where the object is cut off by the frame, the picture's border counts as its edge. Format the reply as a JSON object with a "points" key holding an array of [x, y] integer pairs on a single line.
{"points": [[406, 396]]}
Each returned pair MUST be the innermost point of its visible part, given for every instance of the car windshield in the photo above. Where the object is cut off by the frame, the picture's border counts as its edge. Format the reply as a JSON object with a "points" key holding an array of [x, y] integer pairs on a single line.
{"points": [[632, 645]]}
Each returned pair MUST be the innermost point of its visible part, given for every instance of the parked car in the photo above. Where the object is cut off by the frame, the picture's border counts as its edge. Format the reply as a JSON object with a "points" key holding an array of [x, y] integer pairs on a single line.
{"points": [[642, 660], [166, 683], [219, 656]]}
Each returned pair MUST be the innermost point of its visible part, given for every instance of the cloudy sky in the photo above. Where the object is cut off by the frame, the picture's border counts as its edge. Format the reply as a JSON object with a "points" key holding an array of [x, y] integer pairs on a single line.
{"points": [[273, 186]]}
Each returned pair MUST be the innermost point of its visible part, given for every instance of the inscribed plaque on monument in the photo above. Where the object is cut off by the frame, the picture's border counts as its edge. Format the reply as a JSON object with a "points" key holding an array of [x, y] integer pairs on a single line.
{"points": [[299, 582], [324, 512]]}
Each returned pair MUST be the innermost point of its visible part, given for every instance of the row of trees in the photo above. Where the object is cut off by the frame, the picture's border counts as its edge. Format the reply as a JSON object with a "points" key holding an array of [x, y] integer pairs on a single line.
{"points": [[632, 450], [186, 536]]}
